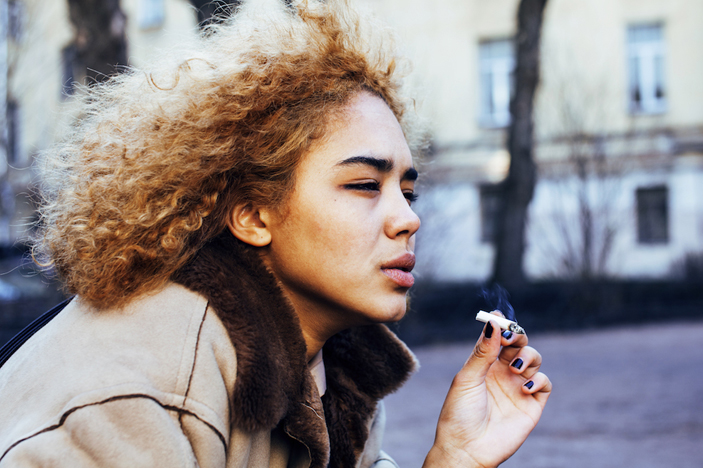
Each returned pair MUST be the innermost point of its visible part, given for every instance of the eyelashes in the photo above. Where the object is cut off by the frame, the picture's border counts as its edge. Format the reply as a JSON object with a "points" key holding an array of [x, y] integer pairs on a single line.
{"points": [[411, 196], [376, 187], [365, 186]]}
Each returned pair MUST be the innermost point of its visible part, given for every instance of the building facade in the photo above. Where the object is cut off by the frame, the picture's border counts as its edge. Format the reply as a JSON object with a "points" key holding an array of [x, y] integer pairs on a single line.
{"points": [[37, 77], [619, 131], [619, 124]]}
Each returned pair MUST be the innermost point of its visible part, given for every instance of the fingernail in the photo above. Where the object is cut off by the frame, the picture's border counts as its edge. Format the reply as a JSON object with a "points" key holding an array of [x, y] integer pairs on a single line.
{"points": [[529, 384], [517, 363], [507, 334], [489, 330]]}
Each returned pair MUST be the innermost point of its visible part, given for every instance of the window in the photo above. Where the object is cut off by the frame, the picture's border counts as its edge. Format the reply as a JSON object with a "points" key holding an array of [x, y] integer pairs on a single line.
{"points": [[13, 132], [490, 200], [653, 215], [496, 65], [645, 49], [69, 56], [15, 16], [151, 13], [212, 11]]}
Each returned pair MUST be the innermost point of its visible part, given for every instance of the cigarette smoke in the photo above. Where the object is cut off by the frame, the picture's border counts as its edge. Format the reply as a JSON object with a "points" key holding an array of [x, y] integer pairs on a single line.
{"points": [[497, 298]]}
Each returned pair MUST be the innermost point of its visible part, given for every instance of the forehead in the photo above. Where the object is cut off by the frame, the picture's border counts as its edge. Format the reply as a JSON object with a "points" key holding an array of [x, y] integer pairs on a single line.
{"points": [[367, 127]]}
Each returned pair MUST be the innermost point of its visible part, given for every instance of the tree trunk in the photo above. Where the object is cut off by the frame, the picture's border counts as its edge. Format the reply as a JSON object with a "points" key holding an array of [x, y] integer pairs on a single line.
{"points": [[517, 189], [100, 42]]}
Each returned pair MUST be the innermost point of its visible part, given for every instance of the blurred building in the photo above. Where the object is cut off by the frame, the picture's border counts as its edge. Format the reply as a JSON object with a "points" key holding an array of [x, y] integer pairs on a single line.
{"points": [[619, 130], [619, 117], [37, 76]]}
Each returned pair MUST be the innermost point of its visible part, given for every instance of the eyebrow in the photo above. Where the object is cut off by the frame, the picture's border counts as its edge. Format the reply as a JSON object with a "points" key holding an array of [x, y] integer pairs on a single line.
{"points": [[380, 164]]}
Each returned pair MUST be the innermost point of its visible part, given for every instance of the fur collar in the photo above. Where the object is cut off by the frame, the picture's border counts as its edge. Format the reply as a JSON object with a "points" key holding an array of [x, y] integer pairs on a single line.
{"points": [[273, 384]]}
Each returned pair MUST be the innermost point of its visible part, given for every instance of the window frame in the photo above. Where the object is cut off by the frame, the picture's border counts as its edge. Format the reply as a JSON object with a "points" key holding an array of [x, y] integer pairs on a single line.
{"points": [[13, 119], [489, 201], [496, 82], [15, 19], [69, 56], [151, 14], [645, 75], [645, 212]]}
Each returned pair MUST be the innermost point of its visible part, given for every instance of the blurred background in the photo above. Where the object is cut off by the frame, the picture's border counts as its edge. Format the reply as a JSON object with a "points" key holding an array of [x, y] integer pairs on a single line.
{"points": [[566, 165], [608, 185]]}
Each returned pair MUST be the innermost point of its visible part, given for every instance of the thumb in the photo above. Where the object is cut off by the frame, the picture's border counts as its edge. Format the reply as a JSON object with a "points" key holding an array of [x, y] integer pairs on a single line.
{"points": [[484, 354]]}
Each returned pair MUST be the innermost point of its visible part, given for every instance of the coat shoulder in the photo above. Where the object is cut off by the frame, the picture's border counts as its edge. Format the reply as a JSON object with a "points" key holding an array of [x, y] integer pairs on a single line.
{"points": [[162, 347]]}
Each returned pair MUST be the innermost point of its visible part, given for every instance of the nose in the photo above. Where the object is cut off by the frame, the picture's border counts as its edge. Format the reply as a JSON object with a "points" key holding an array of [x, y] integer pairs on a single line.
{"points": [[401, 220]]}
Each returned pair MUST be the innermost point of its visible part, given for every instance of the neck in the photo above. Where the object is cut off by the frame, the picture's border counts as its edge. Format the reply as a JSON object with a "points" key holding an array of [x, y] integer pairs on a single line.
{"points": [[272, 345], [318, 321], [313, 344], [317, 325]]}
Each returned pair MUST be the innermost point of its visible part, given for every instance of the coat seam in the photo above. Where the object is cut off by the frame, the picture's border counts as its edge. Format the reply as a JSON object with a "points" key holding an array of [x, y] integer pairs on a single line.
{"points": [[195, 358], [65, 416]]}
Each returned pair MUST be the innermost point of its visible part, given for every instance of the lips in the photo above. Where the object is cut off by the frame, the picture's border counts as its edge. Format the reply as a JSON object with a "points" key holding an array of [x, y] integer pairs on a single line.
{"points": [[399, 269]]}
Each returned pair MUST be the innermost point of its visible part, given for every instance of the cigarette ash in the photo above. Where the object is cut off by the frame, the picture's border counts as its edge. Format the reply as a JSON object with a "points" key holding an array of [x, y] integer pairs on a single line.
{"points": [[497, 298]]}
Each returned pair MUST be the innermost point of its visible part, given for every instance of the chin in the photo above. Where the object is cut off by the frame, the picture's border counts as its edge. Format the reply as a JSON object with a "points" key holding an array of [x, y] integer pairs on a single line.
{"points": [[395, 318], [383, 309], [394, 312]]}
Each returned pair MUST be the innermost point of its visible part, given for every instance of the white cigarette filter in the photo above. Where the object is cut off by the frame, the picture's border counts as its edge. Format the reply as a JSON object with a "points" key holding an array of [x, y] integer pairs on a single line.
{"points": [[503, 323]]}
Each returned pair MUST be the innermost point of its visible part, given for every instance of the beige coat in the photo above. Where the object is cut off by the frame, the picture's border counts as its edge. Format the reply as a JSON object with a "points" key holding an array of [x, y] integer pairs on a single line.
{"points": [[159, 384]]}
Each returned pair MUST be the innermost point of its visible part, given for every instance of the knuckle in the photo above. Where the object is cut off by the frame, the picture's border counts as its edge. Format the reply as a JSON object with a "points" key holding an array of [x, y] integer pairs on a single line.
{"points": [[483, 350], [479, 352], [532, 353], [520, 342]]}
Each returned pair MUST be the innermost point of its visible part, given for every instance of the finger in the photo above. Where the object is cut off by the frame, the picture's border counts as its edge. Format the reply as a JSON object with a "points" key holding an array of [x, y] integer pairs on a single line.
{"points": [[539, 385], [512, 344], [510, 338], [527, 361], [514, 340], [484, 354]]}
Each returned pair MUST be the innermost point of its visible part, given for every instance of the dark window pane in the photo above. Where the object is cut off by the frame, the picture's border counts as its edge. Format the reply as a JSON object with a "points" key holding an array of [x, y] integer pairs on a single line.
{"points": [[68, 58], [490, 200], [659, 76], [15, 15], [13, 130], [653, 215]]}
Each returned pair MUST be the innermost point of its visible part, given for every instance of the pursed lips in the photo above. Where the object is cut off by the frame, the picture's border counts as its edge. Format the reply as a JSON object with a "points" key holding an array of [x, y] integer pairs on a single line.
{"points": [[399, 270]]}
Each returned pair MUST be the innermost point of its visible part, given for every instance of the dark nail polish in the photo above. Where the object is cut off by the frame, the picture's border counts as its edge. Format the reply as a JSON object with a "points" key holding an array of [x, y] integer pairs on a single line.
{"points": [[489, 330], [507, 334], [529, 384], [517, 363]]}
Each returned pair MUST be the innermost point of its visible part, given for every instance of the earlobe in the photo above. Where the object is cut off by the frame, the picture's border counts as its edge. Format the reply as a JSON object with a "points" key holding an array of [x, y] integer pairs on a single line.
{"points": [[248, 225]]}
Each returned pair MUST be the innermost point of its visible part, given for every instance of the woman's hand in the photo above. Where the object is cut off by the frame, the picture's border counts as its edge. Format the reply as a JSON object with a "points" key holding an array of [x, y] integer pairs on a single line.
{"points": [[493, 404]]}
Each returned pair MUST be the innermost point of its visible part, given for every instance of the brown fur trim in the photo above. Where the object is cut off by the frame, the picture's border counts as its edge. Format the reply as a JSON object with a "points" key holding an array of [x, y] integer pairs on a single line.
{"points": [[273, 383], [362, 366]]}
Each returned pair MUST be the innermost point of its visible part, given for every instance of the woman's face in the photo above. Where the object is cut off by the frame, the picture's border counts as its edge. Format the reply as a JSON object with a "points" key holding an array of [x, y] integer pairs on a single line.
{"points": [[343, 247]]}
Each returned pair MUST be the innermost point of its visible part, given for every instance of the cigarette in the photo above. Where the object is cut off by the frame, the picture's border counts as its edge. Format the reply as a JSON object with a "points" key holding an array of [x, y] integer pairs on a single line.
{"points": [[503, 323]]}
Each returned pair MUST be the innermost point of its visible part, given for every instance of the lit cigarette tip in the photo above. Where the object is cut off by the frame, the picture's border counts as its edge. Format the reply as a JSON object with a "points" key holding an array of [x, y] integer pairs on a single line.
{"points": [[503, 323]]}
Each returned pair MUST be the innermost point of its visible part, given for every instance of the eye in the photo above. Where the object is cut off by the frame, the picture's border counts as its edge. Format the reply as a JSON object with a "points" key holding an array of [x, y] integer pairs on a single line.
{"points": [[364, 186], [410, 197]]}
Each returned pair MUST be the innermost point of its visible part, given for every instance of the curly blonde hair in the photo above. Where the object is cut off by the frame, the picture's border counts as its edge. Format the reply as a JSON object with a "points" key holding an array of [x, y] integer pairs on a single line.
{"points": [[150, 171]]}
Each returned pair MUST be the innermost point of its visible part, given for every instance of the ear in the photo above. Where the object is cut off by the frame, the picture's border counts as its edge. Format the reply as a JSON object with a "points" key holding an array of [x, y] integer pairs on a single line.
{"points": [[249, 224]]}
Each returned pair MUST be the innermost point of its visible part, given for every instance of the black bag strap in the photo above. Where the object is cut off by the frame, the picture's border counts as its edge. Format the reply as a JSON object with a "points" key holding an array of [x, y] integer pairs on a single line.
{"points": [[26, 333]]}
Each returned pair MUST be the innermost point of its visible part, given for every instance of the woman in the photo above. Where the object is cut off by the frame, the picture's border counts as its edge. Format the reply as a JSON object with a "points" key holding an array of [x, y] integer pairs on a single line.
{"points": [[235, 229]]}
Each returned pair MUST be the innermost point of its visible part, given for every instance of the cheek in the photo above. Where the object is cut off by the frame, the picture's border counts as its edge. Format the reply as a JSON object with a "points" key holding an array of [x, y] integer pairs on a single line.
{"points": [[336, 231]]}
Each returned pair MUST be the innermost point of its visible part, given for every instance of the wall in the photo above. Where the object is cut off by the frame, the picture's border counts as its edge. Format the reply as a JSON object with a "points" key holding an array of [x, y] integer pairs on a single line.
{"points": [[35, 80], [583, 90]]}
